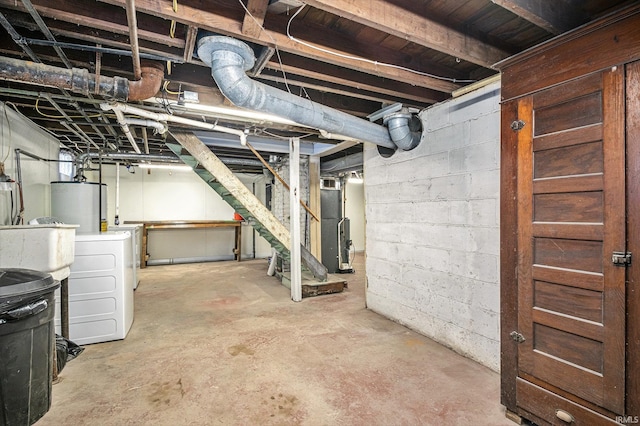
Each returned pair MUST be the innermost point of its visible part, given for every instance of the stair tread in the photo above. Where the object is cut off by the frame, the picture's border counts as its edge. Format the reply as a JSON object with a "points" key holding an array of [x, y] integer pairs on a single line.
{"points": [[228, 196]]}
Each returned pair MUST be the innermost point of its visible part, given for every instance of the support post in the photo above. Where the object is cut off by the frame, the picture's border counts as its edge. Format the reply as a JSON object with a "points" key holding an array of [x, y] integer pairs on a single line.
{"points": [[294, 204], [314, 204]]}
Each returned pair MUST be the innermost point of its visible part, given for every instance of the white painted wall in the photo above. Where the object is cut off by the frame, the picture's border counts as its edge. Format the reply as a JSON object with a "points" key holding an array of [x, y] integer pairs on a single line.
{"points": [[354, 210], [432, 228], [180, 195], [17, 131]]}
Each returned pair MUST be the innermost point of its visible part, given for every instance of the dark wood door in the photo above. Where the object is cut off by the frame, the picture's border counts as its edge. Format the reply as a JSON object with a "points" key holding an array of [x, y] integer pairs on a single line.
{"points": [[571, 218]]}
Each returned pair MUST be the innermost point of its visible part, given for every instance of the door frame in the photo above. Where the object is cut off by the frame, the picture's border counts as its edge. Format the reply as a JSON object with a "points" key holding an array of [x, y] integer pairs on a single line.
{"points": [[610, 40]]}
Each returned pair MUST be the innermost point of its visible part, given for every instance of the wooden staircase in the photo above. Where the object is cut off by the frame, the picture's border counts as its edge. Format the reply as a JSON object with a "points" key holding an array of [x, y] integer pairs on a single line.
{"points": [[222, 180]]}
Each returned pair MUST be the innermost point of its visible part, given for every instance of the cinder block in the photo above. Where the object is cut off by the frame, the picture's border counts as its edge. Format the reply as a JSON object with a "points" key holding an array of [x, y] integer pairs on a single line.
{"points": [[474, 157], [428, 212], [459, 211], [446, 138], [433, 214], [486, 295], [479, 266], [451, 187], [420, 256], [485, 240], [484, 350], [435, 117], [484, 212], [380, 268], [485, 323], [380, 286], [402, 294], [485, 184], [485, 128], [474, 104], [384, 231]]}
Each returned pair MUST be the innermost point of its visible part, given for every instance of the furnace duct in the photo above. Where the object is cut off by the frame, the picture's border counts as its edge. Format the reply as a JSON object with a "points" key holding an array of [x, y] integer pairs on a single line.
{"points": [[229, 60]]}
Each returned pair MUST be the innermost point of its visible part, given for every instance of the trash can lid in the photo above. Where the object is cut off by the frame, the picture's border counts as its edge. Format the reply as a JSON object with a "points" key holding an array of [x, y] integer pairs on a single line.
{"points": [[18, 283]]}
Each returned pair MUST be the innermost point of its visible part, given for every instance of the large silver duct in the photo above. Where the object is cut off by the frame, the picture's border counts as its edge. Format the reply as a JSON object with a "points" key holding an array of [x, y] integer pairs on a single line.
{"points": [[229, 60]]}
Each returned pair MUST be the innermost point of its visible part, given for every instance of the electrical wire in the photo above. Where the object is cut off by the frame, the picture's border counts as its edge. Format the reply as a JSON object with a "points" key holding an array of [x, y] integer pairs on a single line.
{"points": [[368, 61], [353, 246], [273, 135], [165, 87], [273, 40], [58, 117]]}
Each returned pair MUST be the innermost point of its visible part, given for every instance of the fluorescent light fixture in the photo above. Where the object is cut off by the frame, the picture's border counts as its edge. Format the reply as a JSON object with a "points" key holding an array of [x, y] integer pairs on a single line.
{"points": [[356, 178], [175, 167], [236, 113]]}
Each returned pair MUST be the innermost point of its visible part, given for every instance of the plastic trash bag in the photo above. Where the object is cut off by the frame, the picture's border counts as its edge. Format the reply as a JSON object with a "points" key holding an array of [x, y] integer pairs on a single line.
{"points": [[66, 350]]}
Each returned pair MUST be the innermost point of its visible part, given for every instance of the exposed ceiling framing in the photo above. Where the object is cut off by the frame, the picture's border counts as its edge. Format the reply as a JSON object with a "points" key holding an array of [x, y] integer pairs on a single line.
{"points": [[353, 56]]}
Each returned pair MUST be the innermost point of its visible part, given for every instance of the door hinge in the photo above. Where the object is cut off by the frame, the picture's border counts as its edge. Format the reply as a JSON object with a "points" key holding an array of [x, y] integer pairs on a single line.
{"points": [[519, 338], [518, 125], [621, 258]]}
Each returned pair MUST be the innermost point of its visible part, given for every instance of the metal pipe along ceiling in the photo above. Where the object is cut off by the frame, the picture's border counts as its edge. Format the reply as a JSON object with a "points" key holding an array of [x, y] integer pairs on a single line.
{"points": [[79, 80], [230, 58]]}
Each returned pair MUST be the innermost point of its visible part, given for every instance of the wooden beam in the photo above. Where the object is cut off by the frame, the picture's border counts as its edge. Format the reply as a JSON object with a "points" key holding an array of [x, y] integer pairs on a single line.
{"points": [[359, 81], [95, 36], [262, 60], [190, 43], [411, 26], [554, 16], [254, 18], [92, 16], [315, 230], [206, 19], [329, 72], [386, 96]]}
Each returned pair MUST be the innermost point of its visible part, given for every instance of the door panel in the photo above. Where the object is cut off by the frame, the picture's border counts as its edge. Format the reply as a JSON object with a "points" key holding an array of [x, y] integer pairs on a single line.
{"points": [[571, 200]]}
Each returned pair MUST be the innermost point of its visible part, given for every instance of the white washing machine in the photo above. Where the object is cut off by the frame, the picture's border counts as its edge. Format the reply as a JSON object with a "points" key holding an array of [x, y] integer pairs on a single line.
{"points": [[136, 242], [100, 288]]}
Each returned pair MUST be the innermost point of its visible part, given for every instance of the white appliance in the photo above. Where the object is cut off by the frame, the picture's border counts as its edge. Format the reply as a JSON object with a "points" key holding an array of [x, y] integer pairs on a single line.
{"points": [[80, 203], [100, 288], [136, 241]]}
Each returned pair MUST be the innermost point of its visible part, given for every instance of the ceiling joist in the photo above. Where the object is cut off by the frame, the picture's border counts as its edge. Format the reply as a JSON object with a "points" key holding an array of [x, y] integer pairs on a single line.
{"points": [[409, 25], [554, 16]]}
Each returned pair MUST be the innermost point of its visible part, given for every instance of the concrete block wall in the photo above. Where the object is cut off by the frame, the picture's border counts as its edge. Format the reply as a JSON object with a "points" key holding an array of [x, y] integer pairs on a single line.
{"points": [[432, 237], [280, 206]]}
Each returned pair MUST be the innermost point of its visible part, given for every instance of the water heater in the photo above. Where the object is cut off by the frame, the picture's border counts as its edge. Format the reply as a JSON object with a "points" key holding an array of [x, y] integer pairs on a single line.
{"points": [[80, 203]]}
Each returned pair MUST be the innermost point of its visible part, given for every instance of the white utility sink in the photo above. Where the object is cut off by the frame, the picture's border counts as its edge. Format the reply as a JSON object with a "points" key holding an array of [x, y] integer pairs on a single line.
{"points": [[48, 248]]}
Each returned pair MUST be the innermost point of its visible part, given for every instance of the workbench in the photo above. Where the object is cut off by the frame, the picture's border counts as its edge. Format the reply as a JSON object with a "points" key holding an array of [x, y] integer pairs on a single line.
{"points": [[188, 224]]}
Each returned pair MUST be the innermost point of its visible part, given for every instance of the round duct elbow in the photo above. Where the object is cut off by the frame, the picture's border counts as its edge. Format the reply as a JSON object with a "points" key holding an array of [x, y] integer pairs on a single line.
{"points": [[151, 76], [405, 130]]}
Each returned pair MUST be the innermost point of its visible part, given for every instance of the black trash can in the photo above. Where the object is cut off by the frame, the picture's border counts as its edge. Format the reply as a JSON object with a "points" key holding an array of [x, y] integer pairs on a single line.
{"points": [[27, 341]]}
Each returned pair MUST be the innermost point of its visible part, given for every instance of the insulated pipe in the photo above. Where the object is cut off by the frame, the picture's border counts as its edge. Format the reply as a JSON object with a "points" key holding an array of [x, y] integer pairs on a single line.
{"points": [[122, 121], [79, 80], [173, 118], [82, 159], [126, 156], [160, 128], [230, 58]]}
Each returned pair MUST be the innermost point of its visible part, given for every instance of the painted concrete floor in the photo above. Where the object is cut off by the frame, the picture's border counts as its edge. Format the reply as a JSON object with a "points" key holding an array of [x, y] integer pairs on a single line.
{"points": [[222, 344]]}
